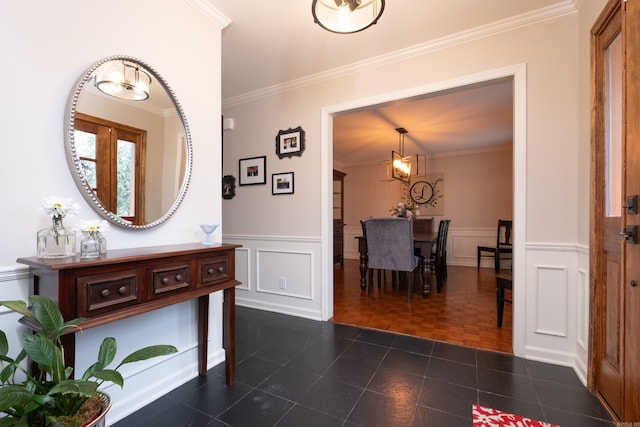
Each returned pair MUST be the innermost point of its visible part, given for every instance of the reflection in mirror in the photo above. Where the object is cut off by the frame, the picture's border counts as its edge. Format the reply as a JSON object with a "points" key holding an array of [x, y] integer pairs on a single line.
{"points": [[128, 146]]}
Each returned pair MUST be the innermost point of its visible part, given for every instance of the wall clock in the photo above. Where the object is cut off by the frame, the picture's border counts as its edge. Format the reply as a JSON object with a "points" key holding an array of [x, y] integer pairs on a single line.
{"points": [[425, 193]]}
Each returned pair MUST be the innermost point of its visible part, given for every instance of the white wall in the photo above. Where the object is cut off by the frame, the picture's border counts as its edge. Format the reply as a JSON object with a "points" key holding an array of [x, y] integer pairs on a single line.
{"points": [[46, 47], [548, 163]]}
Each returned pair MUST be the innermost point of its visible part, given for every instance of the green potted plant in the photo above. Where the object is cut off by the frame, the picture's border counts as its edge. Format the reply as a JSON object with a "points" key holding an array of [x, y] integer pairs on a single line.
{"points": [[51, 398]]}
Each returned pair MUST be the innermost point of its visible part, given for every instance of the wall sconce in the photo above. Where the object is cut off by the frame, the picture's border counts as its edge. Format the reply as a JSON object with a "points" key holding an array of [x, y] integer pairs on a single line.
{"points": [[400, 165], [346, 16], [123, 80]]}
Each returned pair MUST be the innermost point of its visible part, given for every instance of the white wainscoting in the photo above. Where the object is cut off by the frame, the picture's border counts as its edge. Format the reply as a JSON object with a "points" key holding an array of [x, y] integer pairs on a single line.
{"points": [[582, 321], [279, 273], [550, 305], [286, 273], [243, 268]]}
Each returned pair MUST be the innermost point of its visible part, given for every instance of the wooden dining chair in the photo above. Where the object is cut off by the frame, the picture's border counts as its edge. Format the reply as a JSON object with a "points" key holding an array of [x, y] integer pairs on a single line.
{"points": [[390, 247], [503, 281], [503, 248], [423, 225], [438, 260]]}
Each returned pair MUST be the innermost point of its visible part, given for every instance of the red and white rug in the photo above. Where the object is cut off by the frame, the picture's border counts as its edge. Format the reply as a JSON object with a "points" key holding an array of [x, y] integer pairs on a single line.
{"points": [[487, 417]]}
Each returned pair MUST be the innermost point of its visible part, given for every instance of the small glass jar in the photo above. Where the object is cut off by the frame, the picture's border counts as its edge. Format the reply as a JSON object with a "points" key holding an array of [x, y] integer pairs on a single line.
{"points": [[56, 241], [92, 245]]}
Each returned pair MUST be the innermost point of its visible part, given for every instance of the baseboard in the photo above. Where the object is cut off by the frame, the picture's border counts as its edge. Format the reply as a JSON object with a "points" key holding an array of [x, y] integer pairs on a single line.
{"points": [[278, 308]]}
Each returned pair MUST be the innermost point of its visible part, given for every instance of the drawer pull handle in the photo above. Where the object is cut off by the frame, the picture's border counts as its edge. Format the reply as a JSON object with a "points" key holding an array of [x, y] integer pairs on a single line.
{"points": [[122, 290], [179, 277], [165, 280], [105, 293], [221, 269], [210, 271]]}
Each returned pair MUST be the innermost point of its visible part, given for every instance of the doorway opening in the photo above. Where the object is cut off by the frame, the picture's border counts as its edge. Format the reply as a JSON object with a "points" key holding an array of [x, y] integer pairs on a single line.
{"points": [[517, 78]]}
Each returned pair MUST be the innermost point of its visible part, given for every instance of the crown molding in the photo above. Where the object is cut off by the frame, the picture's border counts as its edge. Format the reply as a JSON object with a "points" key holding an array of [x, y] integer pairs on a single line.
{"points": [[552, 12], [204, 7]]}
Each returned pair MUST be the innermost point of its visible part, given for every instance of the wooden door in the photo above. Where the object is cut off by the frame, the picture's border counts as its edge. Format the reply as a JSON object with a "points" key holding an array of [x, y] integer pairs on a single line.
{"points": [[632, 261], [615, 168]]}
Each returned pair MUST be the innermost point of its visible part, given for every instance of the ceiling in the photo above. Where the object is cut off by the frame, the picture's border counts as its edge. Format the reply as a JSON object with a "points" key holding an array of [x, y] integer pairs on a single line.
{"points": [[465, 119], [272, 43]]}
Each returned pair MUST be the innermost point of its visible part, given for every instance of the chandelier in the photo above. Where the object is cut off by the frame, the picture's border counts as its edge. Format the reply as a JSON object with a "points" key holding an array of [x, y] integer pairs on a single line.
{"points": [[123, 80], [400, 165], [346, 16]]}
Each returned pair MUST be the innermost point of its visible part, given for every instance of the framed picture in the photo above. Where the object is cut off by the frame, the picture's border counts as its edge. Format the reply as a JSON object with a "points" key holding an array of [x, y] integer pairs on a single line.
{"points": [[282, 183], [228, 187], [253, 170], [290, 142]]}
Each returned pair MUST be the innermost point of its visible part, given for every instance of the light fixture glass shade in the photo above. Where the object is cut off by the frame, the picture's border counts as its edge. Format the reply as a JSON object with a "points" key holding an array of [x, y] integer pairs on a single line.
{"points": [[400, 167], [123, 80], [346, 16]]}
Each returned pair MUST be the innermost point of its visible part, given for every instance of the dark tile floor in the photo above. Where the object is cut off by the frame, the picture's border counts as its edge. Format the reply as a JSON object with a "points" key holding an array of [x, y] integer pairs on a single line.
{"points": [[297, 372]]}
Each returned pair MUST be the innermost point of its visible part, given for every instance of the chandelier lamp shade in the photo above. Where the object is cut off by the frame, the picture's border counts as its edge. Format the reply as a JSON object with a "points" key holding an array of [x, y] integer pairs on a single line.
{"points": [[123, 79], [346, 16], [400, 165]]}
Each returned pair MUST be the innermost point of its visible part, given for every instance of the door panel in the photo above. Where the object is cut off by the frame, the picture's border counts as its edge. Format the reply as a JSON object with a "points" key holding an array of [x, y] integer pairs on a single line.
{"points": [[632, 264]]}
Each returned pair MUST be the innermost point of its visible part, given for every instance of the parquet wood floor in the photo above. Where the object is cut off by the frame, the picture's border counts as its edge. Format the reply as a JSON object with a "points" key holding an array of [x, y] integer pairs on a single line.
{"points": [[463, 313]]}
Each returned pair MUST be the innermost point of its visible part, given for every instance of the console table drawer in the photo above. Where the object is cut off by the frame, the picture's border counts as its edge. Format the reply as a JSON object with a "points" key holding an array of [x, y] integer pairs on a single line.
{"points": [[107, 291], [169, 278], [213, 270]]}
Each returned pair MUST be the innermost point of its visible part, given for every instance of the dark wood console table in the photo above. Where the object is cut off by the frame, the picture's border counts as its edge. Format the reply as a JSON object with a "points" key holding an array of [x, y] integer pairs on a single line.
{"points": [[127, 282]]}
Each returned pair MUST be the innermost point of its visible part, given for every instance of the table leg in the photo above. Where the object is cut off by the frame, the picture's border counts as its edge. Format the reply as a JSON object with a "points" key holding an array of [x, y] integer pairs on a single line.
{"points": [[500, 303], [229, 333], [363, 270], [426, 277], [203, 333]]}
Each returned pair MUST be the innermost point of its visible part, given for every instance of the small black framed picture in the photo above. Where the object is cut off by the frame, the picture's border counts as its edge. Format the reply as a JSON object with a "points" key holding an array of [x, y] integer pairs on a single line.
{"points": [[253, 170], [282, 183], [228, 187], [290, 142]]}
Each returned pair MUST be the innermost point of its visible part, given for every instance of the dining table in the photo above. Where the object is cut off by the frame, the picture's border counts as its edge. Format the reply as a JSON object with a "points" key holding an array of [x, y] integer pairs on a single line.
{"points": [[423, 241]]}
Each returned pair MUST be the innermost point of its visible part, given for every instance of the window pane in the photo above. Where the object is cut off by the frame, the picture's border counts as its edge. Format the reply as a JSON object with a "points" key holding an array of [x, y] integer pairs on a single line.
{"points": [[89, 171], [126, 167], [613, 127], [85, 144]]}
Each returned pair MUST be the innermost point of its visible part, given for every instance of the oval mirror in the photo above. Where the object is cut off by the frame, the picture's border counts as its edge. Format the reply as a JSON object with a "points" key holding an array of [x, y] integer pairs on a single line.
{"points": [[127, 143]]}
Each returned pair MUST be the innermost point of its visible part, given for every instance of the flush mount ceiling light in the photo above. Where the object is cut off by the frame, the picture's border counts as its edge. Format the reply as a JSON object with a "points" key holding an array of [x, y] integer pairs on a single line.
{"points": [[346, 16], [123, 80], [400, 165]]}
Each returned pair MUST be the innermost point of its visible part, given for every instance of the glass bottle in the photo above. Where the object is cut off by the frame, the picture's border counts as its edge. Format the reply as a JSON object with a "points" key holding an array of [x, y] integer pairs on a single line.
{"points": [[92, 245], [56, 241]]}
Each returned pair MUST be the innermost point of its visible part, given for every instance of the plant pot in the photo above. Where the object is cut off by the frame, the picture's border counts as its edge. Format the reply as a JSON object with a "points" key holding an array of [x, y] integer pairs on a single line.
{"points": [[99, 419]]}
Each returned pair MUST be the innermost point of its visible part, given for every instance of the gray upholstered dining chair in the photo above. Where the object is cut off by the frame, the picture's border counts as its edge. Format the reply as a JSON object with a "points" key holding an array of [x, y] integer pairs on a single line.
{"points": [[382, 274], [390, 247]]}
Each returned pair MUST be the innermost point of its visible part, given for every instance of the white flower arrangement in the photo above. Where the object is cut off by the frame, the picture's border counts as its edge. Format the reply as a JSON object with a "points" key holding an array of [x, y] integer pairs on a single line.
{"points": [[59, 207], [94, 242], [94, 227], [405, 210]]}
